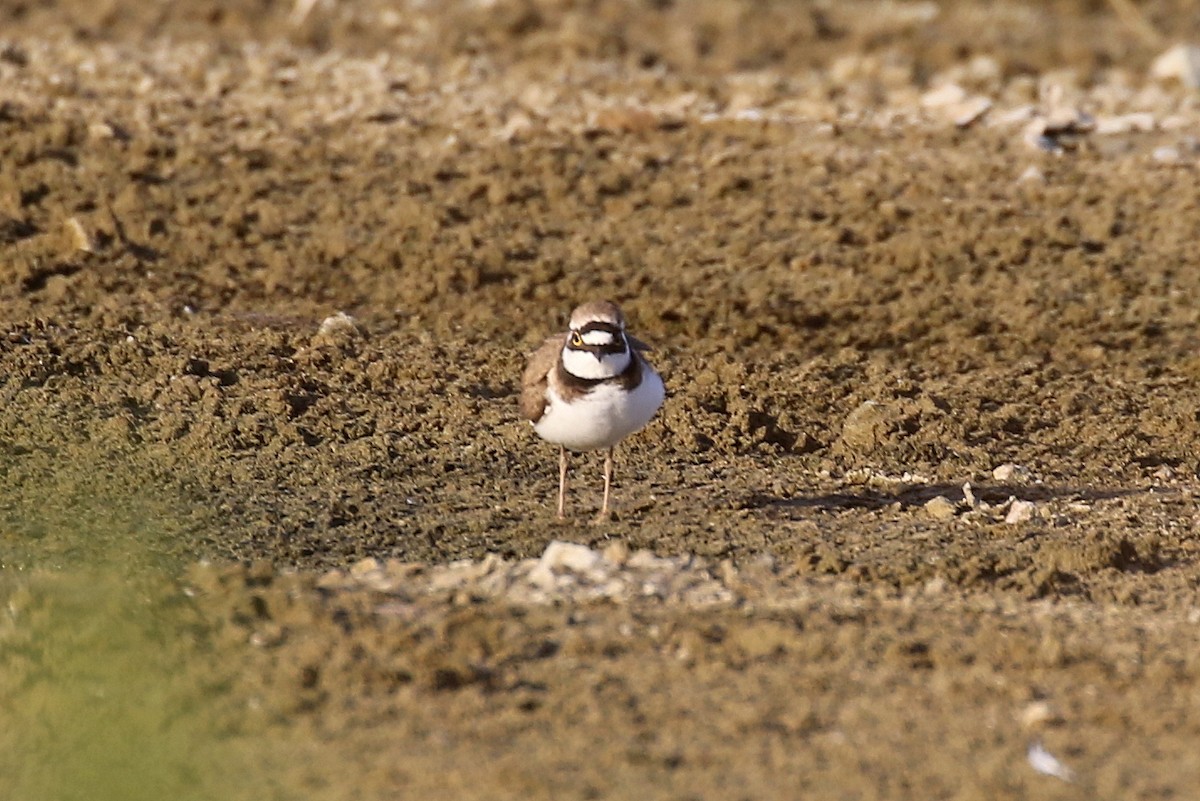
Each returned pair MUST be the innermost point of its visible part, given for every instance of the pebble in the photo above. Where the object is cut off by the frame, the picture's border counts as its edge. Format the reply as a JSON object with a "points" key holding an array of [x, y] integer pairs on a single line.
{"points": [[1181, 63], [947, 94], [865, 428], [1010, 472], [1138, 122], [568, 557], [935, 586], [971, 111], [565, 572], [365, 567], [1039, 714], [1018, 115], [1032, 173], [338, 325], [940, 508], [79, 236], [953, 101], [1020, 512], [1166, 155]]}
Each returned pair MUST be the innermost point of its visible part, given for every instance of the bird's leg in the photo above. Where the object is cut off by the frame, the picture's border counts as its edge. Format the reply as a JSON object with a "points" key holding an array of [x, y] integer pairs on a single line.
{"points": [[608, 467], [562, 482]]}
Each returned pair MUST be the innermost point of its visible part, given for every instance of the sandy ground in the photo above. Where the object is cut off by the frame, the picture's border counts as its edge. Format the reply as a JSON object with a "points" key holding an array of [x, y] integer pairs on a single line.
{"points": [[921, 498]]}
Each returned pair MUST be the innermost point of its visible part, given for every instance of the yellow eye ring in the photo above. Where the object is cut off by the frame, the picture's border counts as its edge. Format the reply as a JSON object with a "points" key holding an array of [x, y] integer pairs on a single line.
{"points": [[576, 339]]}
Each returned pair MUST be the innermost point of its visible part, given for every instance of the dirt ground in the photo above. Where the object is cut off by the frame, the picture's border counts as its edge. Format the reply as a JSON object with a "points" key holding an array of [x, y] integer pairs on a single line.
{"points": [[917, 519]]}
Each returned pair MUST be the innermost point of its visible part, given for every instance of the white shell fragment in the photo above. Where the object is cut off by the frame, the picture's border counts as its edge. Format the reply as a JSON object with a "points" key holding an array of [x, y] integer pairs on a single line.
{"points": [[1181, 63], [952, 101], [1046, 763]]}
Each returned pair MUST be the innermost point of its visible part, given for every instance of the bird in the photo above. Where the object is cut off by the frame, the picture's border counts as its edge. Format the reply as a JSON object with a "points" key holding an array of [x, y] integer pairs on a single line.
{"points": [[589, 388]]}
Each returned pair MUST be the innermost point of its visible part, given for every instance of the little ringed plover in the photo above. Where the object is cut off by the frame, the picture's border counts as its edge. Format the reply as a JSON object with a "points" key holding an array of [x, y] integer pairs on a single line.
{"points": [[590, 388]]}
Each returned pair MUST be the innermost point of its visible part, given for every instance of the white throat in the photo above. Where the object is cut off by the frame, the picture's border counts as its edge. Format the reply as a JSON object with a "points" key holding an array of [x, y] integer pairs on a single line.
{"points": [[584, 364]]}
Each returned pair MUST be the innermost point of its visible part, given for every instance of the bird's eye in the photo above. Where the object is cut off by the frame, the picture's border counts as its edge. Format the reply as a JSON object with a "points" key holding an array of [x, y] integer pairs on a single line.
{"points": [[576, 340]]}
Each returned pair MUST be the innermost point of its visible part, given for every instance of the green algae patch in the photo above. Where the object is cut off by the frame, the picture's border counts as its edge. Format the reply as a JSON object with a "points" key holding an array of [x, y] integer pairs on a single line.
{"points": [[105, 694]]}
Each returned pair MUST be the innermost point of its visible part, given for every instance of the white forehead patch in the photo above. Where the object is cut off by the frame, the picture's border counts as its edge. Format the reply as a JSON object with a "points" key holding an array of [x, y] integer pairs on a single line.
{"points": [[598, 337], [580, 322]]}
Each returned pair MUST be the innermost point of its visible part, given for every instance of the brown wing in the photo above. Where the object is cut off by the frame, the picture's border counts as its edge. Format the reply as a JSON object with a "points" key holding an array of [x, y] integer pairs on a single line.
{"points": [[637, 344], [534, 379]]}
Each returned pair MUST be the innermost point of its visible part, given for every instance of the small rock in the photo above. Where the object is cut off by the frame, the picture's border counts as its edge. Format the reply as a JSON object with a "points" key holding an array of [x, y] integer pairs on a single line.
{"points": [[336, 330], [332, 580], [935, 586], [1034, 135], [364, 567], [940, 508], [969, 496], [260, 573], [1039, 714], [1058, 126], [1180, 63], [453, 576], [268, 635], [1140, 122], [629, 119], [571, 556], [338, 326], [866, 427], [947, 94], [1018, 115], [516, 125], [1032, 173], [1020, 512], [1010, 472], [568, 558], [1166, 155], [1068, 120], [79, 236], [970, 111], [953, 101], [616, 552], [646, 560], [101, 130]]}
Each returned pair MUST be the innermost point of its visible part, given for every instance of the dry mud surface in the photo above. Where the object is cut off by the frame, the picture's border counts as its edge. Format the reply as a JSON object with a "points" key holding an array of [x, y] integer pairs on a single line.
{"points": [[858, 306]]}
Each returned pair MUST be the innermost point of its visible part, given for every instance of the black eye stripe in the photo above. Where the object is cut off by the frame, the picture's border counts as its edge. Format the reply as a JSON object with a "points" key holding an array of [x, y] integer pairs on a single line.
{"points": [[618, 345], [597, 325]]}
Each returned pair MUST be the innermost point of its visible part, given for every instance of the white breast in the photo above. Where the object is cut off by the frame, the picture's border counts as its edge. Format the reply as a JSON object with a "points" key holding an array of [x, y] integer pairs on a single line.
{"points": [[602, 417]]}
